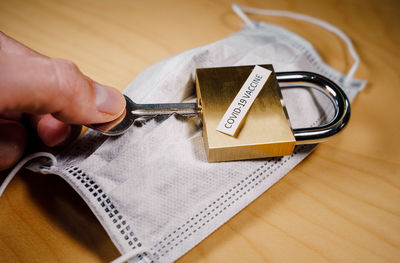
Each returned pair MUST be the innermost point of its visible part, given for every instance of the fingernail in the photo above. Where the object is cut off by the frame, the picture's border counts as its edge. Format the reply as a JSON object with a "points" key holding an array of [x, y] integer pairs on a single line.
{"points": [[108, 100]]}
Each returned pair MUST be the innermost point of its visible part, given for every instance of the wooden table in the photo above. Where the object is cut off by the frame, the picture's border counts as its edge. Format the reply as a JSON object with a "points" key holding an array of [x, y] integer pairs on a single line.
{"points": [[341, 204]]}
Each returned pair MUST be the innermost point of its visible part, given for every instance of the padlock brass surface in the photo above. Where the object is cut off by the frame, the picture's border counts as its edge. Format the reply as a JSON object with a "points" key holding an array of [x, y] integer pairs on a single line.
{"points": [[265, 132]]}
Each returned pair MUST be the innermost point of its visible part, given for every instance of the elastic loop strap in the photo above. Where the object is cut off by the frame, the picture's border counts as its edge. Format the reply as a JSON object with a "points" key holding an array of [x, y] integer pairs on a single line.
{"points": [[239, 10], [243, 16], [21, 163]]}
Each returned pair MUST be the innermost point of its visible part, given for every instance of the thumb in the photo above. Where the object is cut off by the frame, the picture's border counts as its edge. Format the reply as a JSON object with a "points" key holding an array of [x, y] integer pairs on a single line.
{"points": [[40, 85]]}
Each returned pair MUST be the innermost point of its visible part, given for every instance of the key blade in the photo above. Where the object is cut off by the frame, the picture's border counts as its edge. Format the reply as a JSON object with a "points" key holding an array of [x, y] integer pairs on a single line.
{"points": [[153, 110]]}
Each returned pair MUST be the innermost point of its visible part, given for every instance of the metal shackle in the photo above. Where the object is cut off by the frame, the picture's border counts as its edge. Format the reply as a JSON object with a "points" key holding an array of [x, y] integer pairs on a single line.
{"points": [[332, 91]]}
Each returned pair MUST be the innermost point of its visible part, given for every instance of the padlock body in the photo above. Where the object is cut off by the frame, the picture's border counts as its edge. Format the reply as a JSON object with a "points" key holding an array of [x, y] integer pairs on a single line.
{"points": [[266, 130]]}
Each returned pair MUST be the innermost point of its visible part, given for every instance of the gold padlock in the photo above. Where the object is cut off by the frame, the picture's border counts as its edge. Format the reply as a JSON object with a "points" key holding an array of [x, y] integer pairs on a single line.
{"points": [[266, 131]]}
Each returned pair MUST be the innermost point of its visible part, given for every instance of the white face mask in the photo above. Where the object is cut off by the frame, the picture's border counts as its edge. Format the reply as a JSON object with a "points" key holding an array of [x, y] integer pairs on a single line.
{"points": [[152, 188]]}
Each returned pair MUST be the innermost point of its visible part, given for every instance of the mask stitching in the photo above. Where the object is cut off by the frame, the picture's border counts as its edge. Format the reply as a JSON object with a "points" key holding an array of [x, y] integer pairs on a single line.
{"points": [[249, 184], [119, 222], [210, 205]]}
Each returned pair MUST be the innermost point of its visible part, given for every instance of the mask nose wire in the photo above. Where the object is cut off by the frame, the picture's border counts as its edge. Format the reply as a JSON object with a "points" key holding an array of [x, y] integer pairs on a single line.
{"points": [[241, 10]]}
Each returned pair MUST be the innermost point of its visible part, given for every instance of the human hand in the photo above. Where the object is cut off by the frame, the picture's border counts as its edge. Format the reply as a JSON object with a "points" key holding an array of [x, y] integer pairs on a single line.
{"points": [[54, 94]]}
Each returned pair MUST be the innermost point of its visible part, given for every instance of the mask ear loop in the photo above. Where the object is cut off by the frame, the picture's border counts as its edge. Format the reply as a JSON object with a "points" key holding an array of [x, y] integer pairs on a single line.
{"points": [[240, 11], [21, 163]]}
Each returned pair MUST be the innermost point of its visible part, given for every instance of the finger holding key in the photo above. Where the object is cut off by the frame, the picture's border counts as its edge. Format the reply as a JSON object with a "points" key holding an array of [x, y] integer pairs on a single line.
{"points": [[54, 90]]}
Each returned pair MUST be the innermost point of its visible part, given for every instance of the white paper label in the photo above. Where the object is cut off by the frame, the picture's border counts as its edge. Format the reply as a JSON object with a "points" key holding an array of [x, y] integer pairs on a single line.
{"points": [[239, 107]]}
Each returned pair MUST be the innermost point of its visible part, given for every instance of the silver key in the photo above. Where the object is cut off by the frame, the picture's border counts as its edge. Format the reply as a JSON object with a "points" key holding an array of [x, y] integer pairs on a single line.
{"points": [[139, 113]]}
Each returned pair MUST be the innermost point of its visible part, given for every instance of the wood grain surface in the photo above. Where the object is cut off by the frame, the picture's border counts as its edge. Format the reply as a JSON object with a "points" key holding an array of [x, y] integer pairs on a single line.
{"points": [[342, 204]]}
